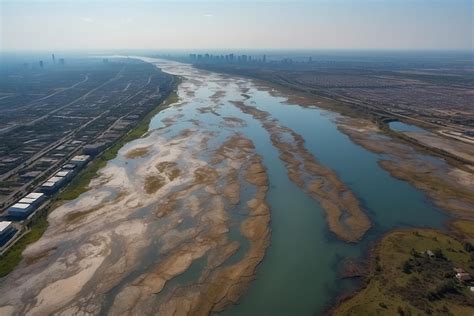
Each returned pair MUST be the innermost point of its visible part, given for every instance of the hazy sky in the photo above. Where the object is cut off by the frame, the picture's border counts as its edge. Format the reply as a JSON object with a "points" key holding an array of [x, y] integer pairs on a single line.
{"points": [[167, 24]]}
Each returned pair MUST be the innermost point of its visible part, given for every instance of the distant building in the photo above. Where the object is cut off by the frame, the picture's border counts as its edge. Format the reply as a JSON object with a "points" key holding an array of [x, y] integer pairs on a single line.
{"points": [[53, 58], [56, 182], [34, 198], [64, 173], [7, 231], [61, 61], [264, 58], [94, 149], [69, 166], [20, 211], [80, 160], [41, 64]]}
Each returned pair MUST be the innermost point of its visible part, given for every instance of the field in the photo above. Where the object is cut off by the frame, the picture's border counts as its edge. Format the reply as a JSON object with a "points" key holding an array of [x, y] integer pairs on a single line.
{"points": [[405, 280]]}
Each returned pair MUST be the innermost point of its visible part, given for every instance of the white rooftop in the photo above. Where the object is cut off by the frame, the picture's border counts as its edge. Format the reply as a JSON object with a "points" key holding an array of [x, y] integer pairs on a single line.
{"points": [[27, 200], [21, 205], [80, 158], [4, 225], [34, 195], [62, 173], [48, 184], [55, 179]]}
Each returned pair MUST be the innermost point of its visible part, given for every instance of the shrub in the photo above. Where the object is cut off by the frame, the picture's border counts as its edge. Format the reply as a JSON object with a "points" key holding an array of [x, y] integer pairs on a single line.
{"points": [[407, 267], [400, 311]]}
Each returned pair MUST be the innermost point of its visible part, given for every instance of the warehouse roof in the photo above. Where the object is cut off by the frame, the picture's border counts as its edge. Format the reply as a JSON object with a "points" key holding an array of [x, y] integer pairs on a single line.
{"points": [[34, 195], [55, 179], [27, 200], [4, 225], [21, 205], [80, 158], [62, 173], [48, 184]]}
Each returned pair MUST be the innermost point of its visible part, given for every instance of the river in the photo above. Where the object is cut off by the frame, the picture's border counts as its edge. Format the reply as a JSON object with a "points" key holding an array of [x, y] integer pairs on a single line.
{"points": [[300, 273]]}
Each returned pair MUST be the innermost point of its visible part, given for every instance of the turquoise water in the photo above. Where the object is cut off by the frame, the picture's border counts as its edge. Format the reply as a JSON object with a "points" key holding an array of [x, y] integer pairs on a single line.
{"points": [[299, 275], [300, 272], [403, 127]]}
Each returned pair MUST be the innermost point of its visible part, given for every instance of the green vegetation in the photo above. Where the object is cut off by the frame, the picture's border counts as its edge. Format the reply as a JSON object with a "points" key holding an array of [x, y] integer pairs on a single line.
{"points": [[407, 281], [78, 185], [13, 256]]}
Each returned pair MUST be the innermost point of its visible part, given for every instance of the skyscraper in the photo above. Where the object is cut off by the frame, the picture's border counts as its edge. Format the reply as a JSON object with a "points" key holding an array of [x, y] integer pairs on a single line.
{"points": [[54, 58], [41, 64]]}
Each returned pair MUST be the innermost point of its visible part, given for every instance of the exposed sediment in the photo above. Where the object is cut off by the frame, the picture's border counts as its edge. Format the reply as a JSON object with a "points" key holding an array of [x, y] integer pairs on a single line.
{"points": [[448, 186], [218, 284], [173, 211], [344, 215], [137, 152]]}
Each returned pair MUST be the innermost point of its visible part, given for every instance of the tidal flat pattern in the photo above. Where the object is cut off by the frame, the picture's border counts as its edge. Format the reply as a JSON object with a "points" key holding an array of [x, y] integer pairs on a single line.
{"points": [[226, 199]]}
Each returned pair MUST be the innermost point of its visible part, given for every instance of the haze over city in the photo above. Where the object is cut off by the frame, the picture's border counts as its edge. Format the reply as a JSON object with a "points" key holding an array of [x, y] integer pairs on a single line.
{"points": [[219, 24]]}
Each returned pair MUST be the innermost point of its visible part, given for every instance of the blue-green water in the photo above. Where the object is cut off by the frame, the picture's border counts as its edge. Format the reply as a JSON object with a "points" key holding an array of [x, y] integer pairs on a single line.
{"points": [[403, 127], [300, 272]]}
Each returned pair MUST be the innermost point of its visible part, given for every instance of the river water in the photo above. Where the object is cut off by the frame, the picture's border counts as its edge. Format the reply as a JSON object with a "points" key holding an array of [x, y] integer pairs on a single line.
{"points": [[403, 127], [299, 274], [117, 241]]}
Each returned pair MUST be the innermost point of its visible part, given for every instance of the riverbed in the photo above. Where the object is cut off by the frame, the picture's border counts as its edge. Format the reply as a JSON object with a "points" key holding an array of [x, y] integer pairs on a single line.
{"points": [[127, 251]]}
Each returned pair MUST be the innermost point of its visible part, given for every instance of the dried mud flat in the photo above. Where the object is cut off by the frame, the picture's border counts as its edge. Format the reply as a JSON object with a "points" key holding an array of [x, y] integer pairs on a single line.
{"points": [[344, 215], [172, 207], [95, 243]]}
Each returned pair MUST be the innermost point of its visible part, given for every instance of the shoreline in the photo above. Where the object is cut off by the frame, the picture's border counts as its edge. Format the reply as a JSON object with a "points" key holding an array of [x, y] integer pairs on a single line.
{"points": [[371, 261], [172, 207], [457, 170], [78, 185], [306, 98]]}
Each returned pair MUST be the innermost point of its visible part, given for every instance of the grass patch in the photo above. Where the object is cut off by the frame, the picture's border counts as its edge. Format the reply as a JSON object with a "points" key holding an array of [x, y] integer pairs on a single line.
{"points": [[138, 152], [406, 281], [12, 257], [153, 184]]}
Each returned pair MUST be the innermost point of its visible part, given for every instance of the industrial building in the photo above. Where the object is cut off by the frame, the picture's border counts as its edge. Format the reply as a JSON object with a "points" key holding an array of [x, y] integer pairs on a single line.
{"points": [[69, 166], [80, 160], [37, 197], [34, 198], [20, 211], [26, 206], [94, 149], [7, 231], [52, 185], [64, 173]]}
